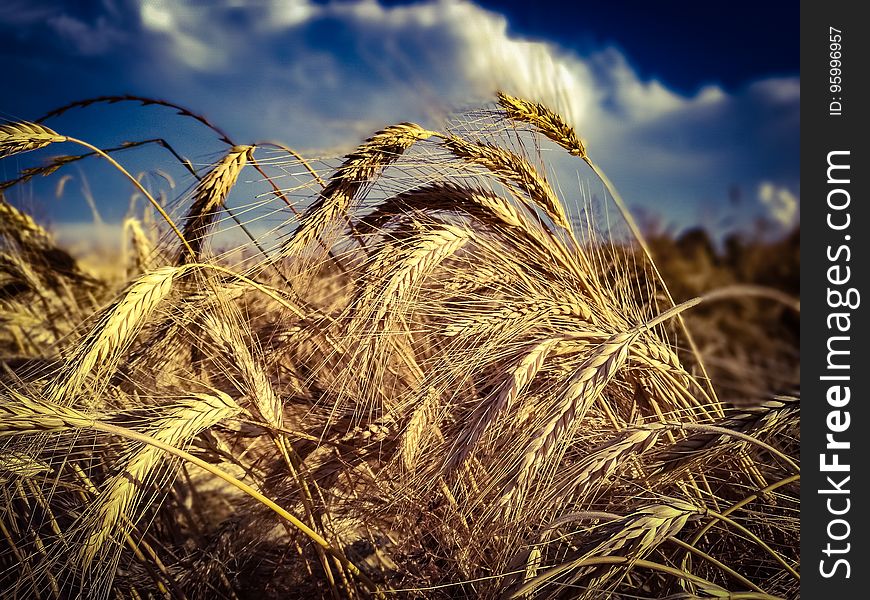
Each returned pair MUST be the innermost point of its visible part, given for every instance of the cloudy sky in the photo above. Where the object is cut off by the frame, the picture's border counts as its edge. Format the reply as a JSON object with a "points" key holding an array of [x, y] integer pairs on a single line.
{"points": [[693, 111]]}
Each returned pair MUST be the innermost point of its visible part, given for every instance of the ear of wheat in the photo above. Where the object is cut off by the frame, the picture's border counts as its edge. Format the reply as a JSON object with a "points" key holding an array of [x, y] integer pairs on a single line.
{"points": [[114, 330], [581, 391], [115, 507], [24, 137], [378, 152], [209, 197]]}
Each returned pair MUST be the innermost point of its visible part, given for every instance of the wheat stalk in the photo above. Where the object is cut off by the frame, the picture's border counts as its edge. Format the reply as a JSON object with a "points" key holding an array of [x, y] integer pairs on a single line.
{"points": [[646, 528], [581, 391], [20, 273], [444, 196], [19, 464], [420, 258], [513, 169], [25, 136], [141, 244], [257, 383], [607, 458], [418, 426], [209, 197], [544, 120], [358, 168], [115, 329], [22, 414], [22, 228], [120, 495], [519, 377], [633, 537]]}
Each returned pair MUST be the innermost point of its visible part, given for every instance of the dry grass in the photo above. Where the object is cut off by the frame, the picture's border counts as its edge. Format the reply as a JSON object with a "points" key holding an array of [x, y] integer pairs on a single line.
{"points": [[444, 380]]}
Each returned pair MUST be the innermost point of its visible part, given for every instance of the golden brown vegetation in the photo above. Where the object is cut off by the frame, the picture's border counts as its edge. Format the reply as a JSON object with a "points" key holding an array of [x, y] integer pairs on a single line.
{"points": [[445, 381]]}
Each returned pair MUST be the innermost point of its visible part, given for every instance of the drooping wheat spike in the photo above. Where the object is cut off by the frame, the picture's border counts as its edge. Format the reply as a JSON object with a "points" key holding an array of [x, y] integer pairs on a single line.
{"points": [[209, 198], [418, 426], [426, 253], [514, 314], [25, 136], [19, 464], [638, 534], [36, 248], [662, 357], [513, 169], [116, 505], [228, 335], [485, 208], [520, 375], [768, 416], [114, 330], [18, 277], [474, 202], [544, 120], [580, 393], [357, 170], [22, 414]]}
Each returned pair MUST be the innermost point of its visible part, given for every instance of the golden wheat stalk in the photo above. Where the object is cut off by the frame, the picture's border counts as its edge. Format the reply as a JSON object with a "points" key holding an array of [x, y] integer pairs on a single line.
{"points": [[418, 260], [512, 169], [114, 330], [418, 428], [228, 336], [659, 356], [19, 464], [22, 414], [607, 458], [357, 170], [19, 272], [209, 197], [519, 377], [581, 392], [119, 496], [25, 136], [141, 246], [633, 537], [473, 201], [544, 120], [22, 228], [516, 316], [488, 210], [648, 527], [515, 171]]}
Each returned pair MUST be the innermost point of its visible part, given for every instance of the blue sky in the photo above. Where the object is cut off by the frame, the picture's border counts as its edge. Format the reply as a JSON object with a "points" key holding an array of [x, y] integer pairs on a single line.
{"points": [[686, 107]]}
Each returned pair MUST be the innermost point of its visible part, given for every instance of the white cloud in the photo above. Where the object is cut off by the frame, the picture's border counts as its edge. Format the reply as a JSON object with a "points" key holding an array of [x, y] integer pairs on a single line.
{"points": [[782, 90], [781, 204], [484, 56], [185, 27], [319, 75], [644, 101], [281, 14]]}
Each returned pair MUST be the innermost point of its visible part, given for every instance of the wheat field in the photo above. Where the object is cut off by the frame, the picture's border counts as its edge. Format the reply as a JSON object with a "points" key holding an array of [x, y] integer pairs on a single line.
{"points": [[423, 370]]}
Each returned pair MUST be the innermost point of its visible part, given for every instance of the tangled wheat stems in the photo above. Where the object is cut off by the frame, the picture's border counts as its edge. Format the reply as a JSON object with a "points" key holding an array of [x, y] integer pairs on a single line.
{"points": [[440, 381]]}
